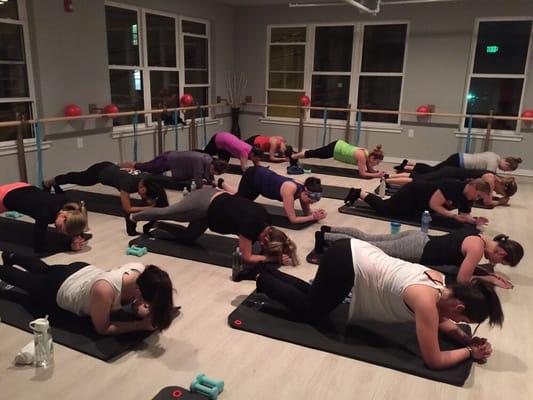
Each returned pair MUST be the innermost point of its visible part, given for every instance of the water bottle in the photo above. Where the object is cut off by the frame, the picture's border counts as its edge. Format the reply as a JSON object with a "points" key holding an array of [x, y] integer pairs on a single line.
{"points": [[193, 186], [236, 264], [43, 343], [185, 192], [382, 188], [425, 221]]}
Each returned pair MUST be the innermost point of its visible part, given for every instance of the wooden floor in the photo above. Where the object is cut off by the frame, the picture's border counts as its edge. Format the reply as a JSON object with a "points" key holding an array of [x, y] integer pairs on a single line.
{"points": [[255, 367]]}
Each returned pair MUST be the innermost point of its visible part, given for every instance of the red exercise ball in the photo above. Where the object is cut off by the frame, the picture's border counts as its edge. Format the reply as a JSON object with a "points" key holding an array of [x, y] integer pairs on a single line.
{"points": [[187, 100], [527, 114], [423, 109], [304, 101], [110, 109], [72, 110]]}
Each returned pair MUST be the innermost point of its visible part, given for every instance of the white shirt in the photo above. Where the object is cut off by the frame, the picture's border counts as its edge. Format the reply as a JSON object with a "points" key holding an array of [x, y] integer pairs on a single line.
{"points": [[487, 160], [74, 294], [379, 283]]}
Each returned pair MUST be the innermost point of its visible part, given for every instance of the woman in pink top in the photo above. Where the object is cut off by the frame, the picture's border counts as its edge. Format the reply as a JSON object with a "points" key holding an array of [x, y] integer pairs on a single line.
{"points": [[227, 145]]}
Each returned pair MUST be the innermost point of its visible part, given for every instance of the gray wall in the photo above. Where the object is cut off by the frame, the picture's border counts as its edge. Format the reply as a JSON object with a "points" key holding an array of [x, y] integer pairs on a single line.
{"points": [[437, 64], [69, 56]]}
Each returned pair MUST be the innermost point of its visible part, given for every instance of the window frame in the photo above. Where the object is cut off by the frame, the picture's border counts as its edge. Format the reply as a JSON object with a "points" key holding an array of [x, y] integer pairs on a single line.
{"points": [[354, 74], [7, 146], [307, 84], [473, 45], [145, 69], [181, 56]]}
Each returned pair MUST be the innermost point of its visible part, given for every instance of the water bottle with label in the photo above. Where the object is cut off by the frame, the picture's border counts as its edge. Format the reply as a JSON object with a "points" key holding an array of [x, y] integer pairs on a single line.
{"points": [[185, 192], [42, 338], [236, 264], [425, 221], [193, 186]]}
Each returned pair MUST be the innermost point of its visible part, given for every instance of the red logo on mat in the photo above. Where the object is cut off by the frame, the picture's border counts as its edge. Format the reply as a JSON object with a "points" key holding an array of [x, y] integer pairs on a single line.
{"points": [[176, 393], [237, 322]]}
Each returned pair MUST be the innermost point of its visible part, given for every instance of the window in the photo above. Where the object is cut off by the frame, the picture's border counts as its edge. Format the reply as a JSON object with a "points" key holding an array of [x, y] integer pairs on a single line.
{"points": [[332, 70], [16, 92], [332, 77], [195, 36], [498, 71], [286, 69], [381, 75], [145, 64]]}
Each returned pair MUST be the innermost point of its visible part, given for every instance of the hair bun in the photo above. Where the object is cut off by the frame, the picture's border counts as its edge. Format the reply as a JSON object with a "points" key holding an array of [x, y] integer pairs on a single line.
{"points": [[519, 160]]}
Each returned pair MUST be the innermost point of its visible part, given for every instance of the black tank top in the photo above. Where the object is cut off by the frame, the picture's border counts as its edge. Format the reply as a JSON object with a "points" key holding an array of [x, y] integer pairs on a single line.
{"points": [[446, 249]]}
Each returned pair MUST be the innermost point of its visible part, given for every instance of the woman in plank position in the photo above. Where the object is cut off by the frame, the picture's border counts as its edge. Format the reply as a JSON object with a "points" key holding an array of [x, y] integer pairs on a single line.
{"points": [[86, 290], [391, 290]]}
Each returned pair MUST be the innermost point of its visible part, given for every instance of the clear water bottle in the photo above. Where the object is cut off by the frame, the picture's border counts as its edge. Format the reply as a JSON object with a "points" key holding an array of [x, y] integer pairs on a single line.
{"points": [[425, 221], [193, 185], [185, 192], [236, 264], [42, 339], [382, 188]]}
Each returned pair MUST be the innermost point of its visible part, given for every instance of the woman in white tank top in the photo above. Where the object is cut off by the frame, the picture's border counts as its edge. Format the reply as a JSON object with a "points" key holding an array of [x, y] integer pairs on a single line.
{"points": [[388, 289], [86, 290]]}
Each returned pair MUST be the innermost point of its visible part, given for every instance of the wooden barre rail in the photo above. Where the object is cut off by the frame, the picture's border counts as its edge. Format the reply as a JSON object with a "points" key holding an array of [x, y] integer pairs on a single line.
{"points": [[119, 114], [370, 111]]}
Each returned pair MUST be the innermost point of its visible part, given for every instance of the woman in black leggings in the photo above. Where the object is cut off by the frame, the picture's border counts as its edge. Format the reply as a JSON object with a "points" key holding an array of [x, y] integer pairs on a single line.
{"points": [[440, 197], [390, 290], [126, 181], [504, 186], [85, 290]]}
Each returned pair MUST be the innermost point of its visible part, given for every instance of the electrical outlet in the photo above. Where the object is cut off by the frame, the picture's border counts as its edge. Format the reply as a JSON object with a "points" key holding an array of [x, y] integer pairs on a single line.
{"points": [[411, 133], [79, 142]]}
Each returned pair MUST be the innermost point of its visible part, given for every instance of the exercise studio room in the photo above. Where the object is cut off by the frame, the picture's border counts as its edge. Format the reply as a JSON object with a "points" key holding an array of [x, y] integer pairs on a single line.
{"points": [[266, 199]]}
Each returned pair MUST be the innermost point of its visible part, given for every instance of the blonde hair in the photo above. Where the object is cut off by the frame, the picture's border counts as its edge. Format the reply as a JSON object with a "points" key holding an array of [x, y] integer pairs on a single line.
{"points": [[280, 244], [480, 185], [76, 220], [377, 153]]}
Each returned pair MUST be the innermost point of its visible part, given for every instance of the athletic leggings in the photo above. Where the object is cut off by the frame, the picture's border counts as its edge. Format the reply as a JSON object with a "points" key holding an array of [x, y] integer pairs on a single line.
{"points": [[401, 204], [89, 177], [40, 280], [247, 188], [156, 166], [251, 140], [213, 150], [333, 281], [193, 209], [407, 245], [461, 174], [452, 161], [322, 152]]}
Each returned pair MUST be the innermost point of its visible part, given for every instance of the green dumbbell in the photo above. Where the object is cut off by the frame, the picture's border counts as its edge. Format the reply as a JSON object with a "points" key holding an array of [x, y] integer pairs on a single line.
{"points": [[136, 251], [206, 386]]}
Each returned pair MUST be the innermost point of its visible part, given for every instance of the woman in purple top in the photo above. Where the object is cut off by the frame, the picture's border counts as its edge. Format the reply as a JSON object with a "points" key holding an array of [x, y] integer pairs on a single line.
{"points": [[227, 145], [262, 181]]}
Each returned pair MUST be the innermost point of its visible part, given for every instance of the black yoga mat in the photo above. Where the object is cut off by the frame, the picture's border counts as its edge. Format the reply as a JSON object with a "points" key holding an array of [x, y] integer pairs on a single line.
{"points": [[266, 158], [392, 346], [17, 237], [108, 204], [279, 218], [233, 169], [392, 189], [313, 257], [72, 331], [438, 223], [176, 392], [335, 192], [209, 249], [336, 171]]}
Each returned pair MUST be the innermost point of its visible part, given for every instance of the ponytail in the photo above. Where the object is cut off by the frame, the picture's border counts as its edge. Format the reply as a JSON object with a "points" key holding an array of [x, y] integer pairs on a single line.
{"points": [[279, 244], [156, 288], [514, 250], [155, 192], [513, 162], [480, 300], [377, 153], [76, 218]]}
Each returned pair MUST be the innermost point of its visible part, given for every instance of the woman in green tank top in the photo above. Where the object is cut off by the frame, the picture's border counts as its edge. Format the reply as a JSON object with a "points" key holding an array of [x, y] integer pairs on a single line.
{"points": [[349, 154]]}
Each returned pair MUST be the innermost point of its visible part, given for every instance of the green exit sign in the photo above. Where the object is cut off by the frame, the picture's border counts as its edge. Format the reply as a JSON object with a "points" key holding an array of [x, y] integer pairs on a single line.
{"points": [[492, 49]]}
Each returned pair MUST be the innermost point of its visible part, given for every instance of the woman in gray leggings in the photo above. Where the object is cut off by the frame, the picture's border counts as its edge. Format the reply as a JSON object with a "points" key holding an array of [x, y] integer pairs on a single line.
{"points": [[457, 253], [223, 213]]}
